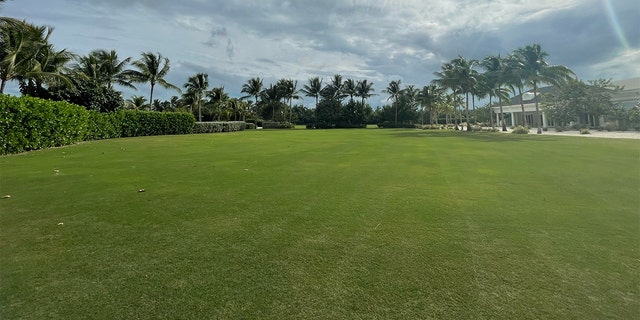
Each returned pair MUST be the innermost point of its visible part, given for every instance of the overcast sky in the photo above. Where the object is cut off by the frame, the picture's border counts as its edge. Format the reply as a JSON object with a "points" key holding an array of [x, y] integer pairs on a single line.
{"points": [[378, 40]]}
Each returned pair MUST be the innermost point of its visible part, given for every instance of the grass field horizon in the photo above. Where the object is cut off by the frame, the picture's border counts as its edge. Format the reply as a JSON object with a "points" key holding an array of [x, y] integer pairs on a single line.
{"points": [[342, 224]]}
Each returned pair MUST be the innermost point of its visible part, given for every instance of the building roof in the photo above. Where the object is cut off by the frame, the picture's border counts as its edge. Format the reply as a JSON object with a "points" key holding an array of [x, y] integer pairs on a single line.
{"points": [[527, 96]]}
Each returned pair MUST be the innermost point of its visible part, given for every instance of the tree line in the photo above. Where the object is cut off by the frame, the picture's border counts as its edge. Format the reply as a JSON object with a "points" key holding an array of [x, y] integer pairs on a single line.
{"points": [[27, 56]]}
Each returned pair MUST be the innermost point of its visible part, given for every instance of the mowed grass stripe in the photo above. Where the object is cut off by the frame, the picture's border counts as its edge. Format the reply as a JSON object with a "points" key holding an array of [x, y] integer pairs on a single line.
{"points": [[318, 224]]}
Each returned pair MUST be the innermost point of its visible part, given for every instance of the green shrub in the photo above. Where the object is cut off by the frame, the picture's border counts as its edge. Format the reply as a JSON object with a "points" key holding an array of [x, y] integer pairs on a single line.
{"points": [[103, 125], [28, 123], [391, 124], [584, 131], [277, 125], [149, 123], [219, 126], [520, 130], [249, 126]]}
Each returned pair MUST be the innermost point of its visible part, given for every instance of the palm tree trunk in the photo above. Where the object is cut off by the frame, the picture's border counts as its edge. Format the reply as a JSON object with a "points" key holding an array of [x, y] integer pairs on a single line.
{"points": [[151, 98], [467, 113], [396, 119], [490, 113], [535, 96], [524, 118], [504, 124], [199, 111]]}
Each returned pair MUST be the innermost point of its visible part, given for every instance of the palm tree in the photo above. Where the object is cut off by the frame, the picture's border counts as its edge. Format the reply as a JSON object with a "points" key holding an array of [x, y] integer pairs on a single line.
{"points": [[349, 88], [289, 92], [135, 102], [535, 70], [364, 90], [313, 89], [253, 87], [151, 68], [20, 44], [334, 90], [494, 80], [512, 73], [112, 70], [394, 91], [47, 67], [196, 86], [217, 99], [430, 96], [460, 76]]}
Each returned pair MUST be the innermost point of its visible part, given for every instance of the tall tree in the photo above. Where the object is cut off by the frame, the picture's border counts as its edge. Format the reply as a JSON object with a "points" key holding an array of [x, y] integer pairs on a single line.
{"points": [[196, 87], [135, 102], [218, 101], [513, 76], [20, 45], [495, 80], [313, 89], [460, 76], [151, 68], [349, 88], [112, 69], [364, 90], [334, 89], [253, 87], [47, 67], [289, 91], [535, 70], [394, 91], [430, 96]]}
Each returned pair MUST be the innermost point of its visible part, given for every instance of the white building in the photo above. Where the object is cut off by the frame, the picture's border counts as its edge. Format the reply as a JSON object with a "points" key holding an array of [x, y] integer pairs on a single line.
{"points": [[628, 97]]}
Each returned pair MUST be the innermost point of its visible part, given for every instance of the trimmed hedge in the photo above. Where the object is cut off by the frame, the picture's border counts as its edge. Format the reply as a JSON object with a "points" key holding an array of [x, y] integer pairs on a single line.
{"points": [[277, 125], [28, 123], [390, 124], [219, 126]]}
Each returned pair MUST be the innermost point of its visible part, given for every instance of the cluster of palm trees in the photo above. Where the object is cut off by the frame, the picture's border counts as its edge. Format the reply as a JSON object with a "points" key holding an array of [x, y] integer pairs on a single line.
{"points": [[278, 97], [26, 56], [524, 67]]}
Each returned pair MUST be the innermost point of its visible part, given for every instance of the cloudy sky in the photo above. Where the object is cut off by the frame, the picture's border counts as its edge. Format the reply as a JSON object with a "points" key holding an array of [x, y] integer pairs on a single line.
{"points": [[378, 40]]}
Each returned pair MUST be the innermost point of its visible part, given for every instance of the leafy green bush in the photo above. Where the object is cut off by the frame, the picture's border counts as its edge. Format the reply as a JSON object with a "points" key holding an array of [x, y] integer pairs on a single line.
{"points": [[391, 124], [277, 125], [219, 126], [520, 130], [148, 123], [28, 123], [250, 126], [584, 131], [104, 125]]}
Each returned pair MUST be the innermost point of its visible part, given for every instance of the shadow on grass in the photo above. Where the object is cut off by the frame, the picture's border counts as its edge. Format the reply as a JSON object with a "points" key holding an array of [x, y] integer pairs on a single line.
{"points": [[477, 136]]}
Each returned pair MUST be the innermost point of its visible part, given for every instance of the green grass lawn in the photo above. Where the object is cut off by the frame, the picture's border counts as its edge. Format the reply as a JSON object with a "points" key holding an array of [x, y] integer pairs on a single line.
{"points": [[337, 224]]}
